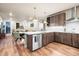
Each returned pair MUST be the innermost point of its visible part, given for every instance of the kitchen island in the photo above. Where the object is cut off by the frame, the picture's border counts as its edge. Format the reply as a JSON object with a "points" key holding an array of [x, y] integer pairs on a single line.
{"points": [[36, 40]]}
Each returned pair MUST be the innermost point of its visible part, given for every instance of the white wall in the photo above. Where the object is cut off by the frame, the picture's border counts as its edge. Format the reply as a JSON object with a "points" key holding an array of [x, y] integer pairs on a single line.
{"points": [[26, 25]]}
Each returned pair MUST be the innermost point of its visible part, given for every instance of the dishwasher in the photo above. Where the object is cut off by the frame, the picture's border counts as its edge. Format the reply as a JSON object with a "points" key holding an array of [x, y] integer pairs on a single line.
{"points": [[37, 41]]}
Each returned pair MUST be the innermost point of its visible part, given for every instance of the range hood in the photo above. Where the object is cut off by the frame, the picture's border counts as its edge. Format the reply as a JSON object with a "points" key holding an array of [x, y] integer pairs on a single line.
{"points": [[75, 15]]}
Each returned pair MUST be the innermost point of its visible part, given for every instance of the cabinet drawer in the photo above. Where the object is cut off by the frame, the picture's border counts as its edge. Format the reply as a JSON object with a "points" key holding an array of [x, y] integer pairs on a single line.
{"points": [[75, 40]]}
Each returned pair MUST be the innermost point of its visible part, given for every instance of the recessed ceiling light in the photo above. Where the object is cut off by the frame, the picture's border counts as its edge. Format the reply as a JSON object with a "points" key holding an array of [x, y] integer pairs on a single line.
{"points": [[10, 14]]}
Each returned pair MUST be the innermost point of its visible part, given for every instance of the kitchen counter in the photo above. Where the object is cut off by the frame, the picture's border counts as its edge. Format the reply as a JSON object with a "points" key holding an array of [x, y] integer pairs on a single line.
{"points": [[71, 32], [37, 32], [41, 32], [30, 33]]}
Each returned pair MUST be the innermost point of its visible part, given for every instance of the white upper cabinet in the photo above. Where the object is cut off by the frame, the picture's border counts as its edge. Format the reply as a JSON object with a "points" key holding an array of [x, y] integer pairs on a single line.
{"points": [[78, 11], [70, 13]]}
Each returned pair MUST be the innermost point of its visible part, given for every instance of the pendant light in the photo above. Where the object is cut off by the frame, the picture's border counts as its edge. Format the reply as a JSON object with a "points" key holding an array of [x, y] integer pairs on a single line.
{"points": [[45, 22], [33, 18], [11, 15]]}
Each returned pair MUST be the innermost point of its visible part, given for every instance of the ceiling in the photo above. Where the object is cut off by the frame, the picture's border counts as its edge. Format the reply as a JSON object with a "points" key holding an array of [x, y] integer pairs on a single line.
{"points": [[25, 10]]}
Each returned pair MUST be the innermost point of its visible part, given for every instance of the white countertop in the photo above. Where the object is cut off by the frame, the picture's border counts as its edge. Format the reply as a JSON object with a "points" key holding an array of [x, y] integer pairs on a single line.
{"points": [[41, 32], [29, 33], [37, 32], [70, 32]]}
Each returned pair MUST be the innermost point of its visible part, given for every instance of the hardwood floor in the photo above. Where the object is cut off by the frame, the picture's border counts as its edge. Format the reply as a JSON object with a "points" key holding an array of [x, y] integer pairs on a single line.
{"points": [[9, 48]]}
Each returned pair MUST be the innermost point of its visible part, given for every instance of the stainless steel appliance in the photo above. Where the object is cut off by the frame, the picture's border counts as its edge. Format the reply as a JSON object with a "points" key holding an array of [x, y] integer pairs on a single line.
{"points": [[37, 41]]}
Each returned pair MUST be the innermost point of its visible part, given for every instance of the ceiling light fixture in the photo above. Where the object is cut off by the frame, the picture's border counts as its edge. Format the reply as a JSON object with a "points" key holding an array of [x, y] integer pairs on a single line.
{"points": [[34, 18], [34, 13], [45, 22], [10, 14]]}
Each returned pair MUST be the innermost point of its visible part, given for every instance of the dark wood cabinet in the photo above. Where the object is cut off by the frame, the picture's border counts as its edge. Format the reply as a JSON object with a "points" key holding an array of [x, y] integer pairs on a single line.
{"points": [[61, 18], [56, 36], [59, 37], [47, 38], [75, 40], [63, 38], [44, 39], [67, 39], [57, 20], [29, 42], [50, 37], [78, 40]]}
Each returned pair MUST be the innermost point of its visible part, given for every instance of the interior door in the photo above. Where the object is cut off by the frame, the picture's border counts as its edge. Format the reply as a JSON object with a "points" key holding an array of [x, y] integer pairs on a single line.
{"points": [[8, 29]]}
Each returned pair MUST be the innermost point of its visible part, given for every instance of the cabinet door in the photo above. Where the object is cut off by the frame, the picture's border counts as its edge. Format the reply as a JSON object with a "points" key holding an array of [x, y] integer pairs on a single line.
{"points": [[44, 40], [74, 40], [50, 37], [65, 38], [52, 21], [61, 19], [29, 42], [57, 37], [68, 39], [61, 37], [78, 40], [47, 38], [56, 20]]}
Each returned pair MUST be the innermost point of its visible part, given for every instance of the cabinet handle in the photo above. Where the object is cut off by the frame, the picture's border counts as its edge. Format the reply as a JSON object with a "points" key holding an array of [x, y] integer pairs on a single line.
{"points": [[35, 39]]}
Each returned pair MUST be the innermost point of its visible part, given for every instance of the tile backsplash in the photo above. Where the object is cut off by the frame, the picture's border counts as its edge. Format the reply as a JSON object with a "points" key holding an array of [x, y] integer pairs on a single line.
{"points": [[70, 27], [55, 28]]}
